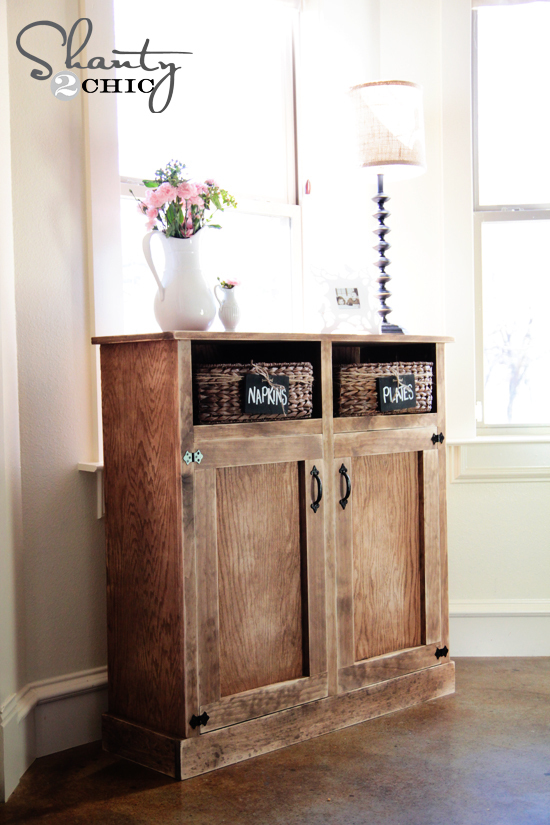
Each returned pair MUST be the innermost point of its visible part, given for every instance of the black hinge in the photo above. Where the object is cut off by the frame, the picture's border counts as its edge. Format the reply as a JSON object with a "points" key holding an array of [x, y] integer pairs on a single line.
{"points": [[196, 721], [441, 651], [438, 438]]}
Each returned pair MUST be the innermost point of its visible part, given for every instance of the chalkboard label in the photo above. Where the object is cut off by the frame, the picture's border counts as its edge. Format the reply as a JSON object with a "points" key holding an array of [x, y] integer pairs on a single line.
{"points": [[261, 397], [396, 395]]}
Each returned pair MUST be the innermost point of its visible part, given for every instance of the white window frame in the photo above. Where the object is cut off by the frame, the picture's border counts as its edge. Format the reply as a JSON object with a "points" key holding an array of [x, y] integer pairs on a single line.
{"points": [[486, 213], [105, 188]]}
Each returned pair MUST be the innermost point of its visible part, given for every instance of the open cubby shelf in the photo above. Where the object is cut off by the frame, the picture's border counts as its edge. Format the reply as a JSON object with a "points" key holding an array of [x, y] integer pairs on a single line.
{"points": [[243, 352]]}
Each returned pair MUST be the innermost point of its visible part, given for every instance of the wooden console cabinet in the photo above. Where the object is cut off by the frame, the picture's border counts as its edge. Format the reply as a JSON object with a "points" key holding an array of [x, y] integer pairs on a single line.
{"points": [[240, 620]]}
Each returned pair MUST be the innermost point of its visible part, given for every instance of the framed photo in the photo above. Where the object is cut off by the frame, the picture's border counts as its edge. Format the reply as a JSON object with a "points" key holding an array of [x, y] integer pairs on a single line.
{"points": [[345, 302], [347, 297]]}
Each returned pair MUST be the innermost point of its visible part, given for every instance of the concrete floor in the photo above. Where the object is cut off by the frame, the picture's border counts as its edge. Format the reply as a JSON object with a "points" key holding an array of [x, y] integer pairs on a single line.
{"points": [[480, 757]]}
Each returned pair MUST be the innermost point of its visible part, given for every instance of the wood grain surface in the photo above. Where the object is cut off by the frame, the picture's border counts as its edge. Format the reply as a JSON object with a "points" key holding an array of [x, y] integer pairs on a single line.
{"points": [[386, 553], [259, 561], [389, 666], [384, 441], [440, 377], [277, 730], [236, 743], [190, 626], [429, 485], [233, 452], [264, 700], [340, 338], [204, 433], [328, 516], [144, 533], [344, 523], [356, 424], [207, 585]]}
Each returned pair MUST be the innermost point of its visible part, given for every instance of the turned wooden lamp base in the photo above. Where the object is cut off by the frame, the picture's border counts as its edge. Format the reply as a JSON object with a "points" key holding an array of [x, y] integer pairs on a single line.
{"points": [[382, 262]]}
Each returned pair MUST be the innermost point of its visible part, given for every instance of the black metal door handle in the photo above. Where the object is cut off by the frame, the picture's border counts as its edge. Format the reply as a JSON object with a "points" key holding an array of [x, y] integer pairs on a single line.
{"points": [[343, 501], [317, 477]]}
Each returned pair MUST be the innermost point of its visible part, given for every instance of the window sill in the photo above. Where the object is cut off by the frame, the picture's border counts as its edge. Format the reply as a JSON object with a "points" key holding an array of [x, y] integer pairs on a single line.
{"points": [[97, 468]]}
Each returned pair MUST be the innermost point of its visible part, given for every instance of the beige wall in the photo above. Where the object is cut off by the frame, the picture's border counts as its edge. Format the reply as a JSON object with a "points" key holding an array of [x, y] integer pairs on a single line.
{"points": [[64, 583]]}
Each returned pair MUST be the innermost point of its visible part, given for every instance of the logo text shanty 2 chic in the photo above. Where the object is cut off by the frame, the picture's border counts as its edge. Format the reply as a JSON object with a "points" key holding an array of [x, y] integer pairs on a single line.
{"points": [[65, 86]]}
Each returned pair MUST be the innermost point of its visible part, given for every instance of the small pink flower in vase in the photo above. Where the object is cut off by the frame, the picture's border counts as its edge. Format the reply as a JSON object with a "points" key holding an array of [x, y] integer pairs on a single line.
{"points": [[229, 311]]}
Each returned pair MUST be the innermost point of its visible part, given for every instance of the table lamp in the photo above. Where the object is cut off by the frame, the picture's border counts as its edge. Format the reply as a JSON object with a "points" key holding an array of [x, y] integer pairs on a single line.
{"points": [[390, 136]]}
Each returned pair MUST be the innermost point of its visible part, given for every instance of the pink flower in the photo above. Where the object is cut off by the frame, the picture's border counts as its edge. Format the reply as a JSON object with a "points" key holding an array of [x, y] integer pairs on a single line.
{"points": [[187, 190], [152, 213], [162, 194], [210, 182], [150, 224], [233, 283], [202, 188]]}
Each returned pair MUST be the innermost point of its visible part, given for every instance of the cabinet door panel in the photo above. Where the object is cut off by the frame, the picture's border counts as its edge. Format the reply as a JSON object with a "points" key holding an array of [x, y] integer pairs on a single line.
{"points": [[260, 601], [386, 554], [261, 587]]}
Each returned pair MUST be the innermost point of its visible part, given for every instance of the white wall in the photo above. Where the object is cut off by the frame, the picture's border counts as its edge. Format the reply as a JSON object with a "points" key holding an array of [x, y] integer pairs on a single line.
{"points": [[410, 49], [59, 591]]}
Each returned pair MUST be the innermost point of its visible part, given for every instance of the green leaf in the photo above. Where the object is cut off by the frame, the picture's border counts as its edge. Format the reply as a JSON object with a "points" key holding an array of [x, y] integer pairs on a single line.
{"points": [[214, 226], [151, 184]]}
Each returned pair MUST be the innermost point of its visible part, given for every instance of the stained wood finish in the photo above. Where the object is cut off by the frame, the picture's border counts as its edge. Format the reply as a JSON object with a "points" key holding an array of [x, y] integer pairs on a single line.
{"points": [[277, 730], [344, 520], [234, 744], [386, 554], [259, 562], [207, 572], [384, 441], [142, 745], [442, 451], [352, 339], [144, 534], [245, 451], [385, 422], [429, 487], [313, 569], [260, 702], [328, 517], [205, 433], [188, 527], [195, 623], [389, 666]]}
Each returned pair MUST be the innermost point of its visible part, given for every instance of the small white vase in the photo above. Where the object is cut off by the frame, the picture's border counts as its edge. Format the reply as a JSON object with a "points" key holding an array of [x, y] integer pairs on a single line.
{"points": [[229, 311], [183, 300]]}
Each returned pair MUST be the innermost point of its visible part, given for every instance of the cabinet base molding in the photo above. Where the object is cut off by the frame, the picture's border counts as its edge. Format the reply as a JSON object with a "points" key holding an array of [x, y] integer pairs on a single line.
{"points": [[185, 758]]}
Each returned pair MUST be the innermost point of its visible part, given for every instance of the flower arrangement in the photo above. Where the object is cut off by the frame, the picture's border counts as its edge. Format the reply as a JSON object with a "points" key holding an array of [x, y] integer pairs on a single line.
{"points": [[178, 207], [229, 284]]}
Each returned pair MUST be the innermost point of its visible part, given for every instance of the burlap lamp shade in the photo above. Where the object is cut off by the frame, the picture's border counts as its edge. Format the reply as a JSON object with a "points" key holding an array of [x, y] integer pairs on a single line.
{"points": [[390, 127]]}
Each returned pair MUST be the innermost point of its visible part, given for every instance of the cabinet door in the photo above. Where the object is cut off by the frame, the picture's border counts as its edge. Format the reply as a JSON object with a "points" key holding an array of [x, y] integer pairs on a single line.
{"points": [[261, 587], [389, 565]]}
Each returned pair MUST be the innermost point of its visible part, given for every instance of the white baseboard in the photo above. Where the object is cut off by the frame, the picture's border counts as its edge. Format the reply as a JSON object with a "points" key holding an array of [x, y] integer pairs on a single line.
{"points": [[49, 716], [500, 627]]}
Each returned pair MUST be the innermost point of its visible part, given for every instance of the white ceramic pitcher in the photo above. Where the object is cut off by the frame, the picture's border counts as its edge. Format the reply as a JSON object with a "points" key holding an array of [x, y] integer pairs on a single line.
{"points": [[183, 300]]}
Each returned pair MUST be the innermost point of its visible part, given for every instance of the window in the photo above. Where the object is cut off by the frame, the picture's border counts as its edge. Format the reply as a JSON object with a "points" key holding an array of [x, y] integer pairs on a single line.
{"points": [[231, 118], [511, 76]]}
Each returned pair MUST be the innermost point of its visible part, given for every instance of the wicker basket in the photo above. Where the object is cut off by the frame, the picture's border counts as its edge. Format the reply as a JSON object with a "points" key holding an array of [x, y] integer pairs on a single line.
{"points": [[219, 391], [358, 391]]}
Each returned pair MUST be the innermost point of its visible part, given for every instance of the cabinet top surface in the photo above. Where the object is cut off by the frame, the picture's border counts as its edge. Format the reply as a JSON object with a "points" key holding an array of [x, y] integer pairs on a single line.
{"points": [[351, 338]]}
